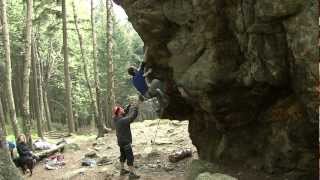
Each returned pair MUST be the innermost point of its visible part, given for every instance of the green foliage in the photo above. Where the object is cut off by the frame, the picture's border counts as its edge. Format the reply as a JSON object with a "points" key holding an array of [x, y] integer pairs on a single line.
{"points": [[11, 137], [127, 50], [48, 32]]}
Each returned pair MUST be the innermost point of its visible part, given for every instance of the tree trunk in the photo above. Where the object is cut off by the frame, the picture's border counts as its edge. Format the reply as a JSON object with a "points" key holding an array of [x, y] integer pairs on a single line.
{"points": [[46, 71], [26, 75], [98, 118], [32, 96], [85, 68], [7, 107], [8, 70], [2, 120], [40, 88], [39, 80], [47, 109], [7, 170], [110, 85], [37, 108], [17, 86], [67, 81], [76, 121]]}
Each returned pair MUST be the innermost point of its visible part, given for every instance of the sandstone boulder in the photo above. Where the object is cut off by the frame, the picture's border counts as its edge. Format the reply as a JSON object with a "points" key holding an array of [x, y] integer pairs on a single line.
{"points": [[244, 73], [215, 176]]}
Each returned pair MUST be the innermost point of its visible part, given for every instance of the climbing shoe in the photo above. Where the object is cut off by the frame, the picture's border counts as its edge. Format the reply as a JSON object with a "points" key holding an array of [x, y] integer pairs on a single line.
{"points": [[133, 176], [124, 172]]}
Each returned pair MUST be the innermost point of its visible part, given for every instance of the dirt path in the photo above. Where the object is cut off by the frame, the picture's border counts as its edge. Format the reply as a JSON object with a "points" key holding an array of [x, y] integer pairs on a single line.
{"points": [[151, 159]]}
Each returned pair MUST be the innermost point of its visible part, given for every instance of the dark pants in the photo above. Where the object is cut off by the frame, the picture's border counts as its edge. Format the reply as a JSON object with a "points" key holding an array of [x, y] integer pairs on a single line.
{"points": [[126, 154], [156, 89], [152, 90]]}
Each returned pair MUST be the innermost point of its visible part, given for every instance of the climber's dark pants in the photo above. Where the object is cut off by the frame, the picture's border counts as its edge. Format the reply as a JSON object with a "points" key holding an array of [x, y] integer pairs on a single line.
{"points": [[156, 89], [126, 154]]}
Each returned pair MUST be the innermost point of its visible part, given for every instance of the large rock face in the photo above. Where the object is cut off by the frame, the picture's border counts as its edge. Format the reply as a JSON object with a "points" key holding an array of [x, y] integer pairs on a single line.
{"points": [[248, 71]]}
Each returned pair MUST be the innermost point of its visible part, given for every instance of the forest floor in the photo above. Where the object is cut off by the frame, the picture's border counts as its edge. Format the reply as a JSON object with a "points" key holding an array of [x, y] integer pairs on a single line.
{"points": [[151, 159]]}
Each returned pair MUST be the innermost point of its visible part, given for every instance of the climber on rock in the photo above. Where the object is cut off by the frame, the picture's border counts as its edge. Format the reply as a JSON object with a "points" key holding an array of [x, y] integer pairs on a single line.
{"points": [[148, 89]]}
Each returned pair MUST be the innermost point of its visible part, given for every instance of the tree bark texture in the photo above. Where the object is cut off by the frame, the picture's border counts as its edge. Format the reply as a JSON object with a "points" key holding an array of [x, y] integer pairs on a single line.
{"points": [[8, 70], [37, 105], [46, 71], [7, 170], [2, 120], [85, 68], [47, 109], [40, 86], [67, 81], [98, 113], [110, 85], [26, 75]]}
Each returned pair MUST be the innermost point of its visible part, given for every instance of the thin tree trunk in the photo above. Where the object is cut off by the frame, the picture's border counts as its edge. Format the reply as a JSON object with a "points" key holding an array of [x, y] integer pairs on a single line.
{"points": [[37, 108], [82, 51], [98, 111], [41, 97], [7, 170], [46, 76], [17, 86], [98, 118], [7, 109], [39, 80], [2, 108], [110, 85], [93, 124], [40, 84], [67, 81], [47, 109], [76, 121], [2, 119], [26, 75], [85, 68], [32, 97], [8, 70]]}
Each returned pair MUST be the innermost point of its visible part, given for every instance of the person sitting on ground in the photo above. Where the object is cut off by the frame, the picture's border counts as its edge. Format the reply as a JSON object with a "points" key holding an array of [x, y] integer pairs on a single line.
{"points": [[122, 123], [25, 153]]}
